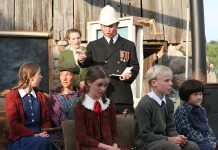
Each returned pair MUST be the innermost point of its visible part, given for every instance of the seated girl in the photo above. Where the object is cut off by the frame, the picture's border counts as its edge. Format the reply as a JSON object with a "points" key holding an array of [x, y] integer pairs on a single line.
{"points": [[27, 112], [65, 97], [191, 118], [95, 115]]}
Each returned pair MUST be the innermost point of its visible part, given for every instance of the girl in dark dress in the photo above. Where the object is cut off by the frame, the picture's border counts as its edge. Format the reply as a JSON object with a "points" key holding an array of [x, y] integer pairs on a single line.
{"points": [[95, 115], [27, 112]]}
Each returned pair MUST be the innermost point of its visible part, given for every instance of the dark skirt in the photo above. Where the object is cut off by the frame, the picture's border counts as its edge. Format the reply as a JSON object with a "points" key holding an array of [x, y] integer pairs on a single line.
{"points": [[31, 143]]}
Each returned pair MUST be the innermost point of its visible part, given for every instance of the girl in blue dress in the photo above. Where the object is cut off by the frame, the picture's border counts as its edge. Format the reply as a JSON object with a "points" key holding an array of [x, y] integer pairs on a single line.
{"points": [[27, 112]]}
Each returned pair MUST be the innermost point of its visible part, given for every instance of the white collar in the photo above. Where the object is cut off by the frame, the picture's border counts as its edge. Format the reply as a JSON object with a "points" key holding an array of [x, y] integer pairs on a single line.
{"points": [[89, 103], [114, 38], [156, 98], [72, 49], [23, 93]]}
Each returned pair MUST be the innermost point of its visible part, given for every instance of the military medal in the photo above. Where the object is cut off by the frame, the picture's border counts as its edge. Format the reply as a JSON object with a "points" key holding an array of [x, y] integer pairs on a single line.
{"points": [[121, 55], [127, 56]]}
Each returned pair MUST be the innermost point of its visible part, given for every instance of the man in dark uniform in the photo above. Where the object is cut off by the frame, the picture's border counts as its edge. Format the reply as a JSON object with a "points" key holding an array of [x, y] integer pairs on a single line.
{"points": [[115, 54]]}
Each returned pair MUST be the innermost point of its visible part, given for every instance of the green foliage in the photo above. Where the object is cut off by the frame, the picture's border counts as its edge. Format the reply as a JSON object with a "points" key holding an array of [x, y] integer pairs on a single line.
{"points": [[212, 53]]}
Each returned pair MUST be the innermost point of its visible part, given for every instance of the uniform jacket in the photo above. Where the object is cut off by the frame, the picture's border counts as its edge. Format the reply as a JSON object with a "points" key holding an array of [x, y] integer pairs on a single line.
{"points": [[15, 115], [111, 58]]}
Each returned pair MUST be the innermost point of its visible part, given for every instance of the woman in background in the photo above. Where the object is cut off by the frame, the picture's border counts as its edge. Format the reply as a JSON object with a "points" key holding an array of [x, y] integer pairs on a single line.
{"points": [[73, 37]]}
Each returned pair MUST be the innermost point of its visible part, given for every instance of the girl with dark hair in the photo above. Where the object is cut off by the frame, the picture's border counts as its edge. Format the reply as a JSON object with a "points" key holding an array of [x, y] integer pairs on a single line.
{"points": [[95, 115], [27, 112], [191, 118]]}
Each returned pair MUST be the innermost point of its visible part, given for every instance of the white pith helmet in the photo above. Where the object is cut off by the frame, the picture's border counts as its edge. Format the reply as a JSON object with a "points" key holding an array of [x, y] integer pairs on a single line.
{"points": [[108, 16]]}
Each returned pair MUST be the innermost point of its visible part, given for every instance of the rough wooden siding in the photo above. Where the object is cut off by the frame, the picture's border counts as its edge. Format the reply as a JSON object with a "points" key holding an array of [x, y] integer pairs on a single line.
{"points": [[173, 21], [23, 15], [115, 4], [80, 17], [131, 8], [170, 17], [179, 22], [59, 15], [6, 16], [26, 15], [62, 17], [47, 15], [85, 11], [168, 20], [42, 22], [185, 3], [153, 9]]}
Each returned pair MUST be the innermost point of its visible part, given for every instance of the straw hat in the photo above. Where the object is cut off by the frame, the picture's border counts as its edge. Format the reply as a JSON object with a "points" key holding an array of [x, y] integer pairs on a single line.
{"points": [[108, 16]]}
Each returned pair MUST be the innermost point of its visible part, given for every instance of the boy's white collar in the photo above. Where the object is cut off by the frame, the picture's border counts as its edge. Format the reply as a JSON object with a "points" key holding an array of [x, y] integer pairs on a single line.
{"points": [[89, 103], [156, 98]]}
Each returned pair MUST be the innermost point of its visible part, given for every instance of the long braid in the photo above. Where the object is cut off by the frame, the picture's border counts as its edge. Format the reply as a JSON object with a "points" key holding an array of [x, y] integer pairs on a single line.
{"points": [[26, 71]]}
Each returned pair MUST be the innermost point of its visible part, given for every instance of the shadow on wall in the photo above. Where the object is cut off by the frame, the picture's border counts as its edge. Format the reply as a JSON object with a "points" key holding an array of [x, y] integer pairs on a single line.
{"points": [[159, 17]]}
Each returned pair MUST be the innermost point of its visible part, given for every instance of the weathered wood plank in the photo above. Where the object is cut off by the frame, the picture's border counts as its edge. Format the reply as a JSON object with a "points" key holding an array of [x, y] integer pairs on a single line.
{"points": [[67, 16], [131, 8], [63, 20], [116, 5], [80, 17], [37, 16], [168, 15], [6, 16], [153, 9], [185, 4], [23, 15], [178, 28], [85, 11], [47, 15], [97, 5], [173, 21], [57, 19]]}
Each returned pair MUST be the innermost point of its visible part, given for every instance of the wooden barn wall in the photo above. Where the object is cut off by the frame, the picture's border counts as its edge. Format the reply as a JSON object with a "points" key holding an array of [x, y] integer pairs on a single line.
{"points": [[57, 16], [30, 15]]}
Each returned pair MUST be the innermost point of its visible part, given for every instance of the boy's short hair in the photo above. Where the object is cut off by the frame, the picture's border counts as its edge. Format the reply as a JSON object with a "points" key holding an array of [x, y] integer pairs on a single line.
{"points": [[155, 71], [188, 87]]}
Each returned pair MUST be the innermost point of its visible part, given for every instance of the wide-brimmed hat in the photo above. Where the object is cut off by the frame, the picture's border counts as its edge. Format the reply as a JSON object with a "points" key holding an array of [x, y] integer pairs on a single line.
{"points": [[108, 16], [69, 66]]}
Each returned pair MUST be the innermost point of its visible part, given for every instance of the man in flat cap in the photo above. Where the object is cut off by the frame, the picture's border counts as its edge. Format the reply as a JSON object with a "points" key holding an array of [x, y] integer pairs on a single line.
{"points": [[115, 54]]}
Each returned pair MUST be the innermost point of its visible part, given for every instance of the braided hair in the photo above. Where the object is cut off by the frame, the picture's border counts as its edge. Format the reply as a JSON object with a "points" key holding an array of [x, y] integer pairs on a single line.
{"points": [[26, 71]]}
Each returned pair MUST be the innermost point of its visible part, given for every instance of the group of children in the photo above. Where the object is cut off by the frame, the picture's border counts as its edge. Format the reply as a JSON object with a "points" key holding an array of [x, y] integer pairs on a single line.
{"points": [[95, 114], [156, 126]]}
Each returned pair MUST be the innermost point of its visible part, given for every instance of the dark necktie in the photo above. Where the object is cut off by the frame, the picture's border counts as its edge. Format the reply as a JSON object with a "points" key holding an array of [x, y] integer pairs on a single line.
{"points": [[163, 103], [111, 42]]}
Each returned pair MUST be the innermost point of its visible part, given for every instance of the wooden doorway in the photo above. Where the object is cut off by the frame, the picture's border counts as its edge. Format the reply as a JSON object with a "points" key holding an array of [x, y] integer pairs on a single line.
{"points": [[153, 52]]}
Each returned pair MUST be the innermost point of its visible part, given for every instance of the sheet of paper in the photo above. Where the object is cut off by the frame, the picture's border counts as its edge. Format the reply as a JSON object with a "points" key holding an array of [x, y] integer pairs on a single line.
{"points": [[126, 70]]}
